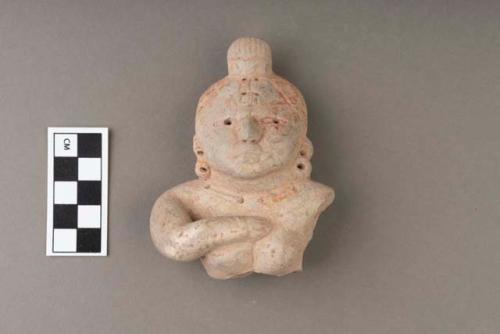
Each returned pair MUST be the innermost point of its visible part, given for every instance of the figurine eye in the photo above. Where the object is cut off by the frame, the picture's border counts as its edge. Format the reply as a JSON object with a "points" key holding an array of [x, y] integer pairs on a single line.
{"points": [[228, 121], [275, 122]]}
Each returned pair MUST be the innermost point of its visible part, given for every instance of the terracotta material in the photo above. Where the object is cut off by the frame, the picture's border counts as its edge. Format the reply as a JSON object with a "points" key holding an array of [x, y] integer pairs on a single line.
{"points": [[254, 206]]}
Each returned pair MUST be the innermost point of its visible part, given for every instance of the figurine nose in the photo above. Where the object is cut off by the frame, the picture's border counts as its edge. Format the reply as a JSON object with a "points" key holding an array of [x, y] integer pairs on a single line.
{"points": [[249, 130]]}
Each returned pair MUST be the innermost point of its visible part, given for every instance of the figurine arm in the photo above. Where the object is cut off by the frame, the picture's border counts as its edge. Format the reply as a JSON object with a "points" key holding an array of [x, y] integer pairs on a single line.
{"points": [[178, 237]]}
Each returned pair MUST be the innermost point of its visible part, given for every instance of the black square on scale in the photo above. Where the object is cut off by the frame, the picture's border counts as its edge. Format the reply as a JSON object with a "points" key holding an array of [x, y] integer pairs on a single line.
{"points": [[89, 192], [89, 145], [65, 216], [65, 169], [88, 240]]}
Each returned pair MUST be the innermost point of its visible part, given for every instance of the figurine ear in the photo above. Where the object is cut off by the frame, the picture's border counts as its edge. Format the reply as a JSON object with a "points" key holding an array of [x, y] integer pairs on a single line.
{"points": [[303, 163], [306, 149], [198, 150], [201, 169]]}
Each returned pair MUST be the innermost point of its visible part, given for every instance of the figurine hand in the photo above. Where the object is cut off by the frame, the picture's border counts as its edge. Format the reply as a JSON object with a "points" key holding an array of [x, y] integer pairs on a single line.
{"points": [[235, 258]]}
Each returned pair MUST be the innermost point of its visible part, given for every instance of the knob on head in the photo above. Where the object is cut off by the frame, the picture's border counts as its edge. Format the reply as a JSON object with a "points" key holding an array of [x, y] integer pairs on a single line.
{"points": [[248, 56]]}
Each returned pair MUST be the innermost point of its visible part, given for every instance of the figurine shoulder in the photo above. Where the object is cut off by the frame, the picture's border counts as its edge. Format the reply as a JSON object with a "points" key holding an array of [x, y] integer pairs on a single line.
{"points": [[182, 197], [301, 211], [322, 192], [183, 192], [316, 195]]}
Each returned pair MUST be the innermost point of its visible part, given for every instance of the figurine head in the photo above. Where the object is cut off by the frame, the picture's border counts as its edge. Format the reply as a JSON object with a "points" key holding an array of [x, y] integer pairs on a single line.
{"points": [[252, 122]]}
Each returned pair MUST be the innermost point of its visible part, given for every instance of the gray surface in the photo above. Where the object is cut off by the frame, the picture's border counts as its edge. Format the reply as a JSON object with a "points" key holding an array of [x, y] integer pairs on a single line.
{"points": [[404, 101]]}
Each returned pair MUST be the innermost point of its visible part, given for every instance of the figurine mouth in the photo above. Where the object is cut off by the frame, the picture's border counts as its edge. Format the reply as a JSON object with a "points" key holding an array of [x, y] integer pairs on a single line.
{"points": [[249, 154]]}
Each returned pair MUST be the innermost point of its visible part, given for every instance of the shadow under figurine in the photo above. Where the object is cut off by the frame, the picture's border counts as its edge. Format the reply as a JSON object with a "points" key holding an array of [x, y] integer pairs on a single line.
{"points": [[254, 206]]}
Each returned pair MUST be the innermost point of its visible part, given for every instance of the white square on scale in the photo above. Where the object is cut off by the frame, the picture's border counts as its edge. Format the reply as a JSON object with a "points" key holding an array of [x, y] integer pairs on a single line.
{"points": [[89, 216], [65, 145], [65, 192], [89, 169], [64, 240]]}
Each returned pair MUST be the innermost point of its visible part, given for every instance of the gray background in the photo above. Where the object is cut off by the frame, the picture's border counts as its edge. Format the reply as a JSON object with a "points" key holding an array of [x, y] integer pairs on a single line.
{"points": [[404, 110]]}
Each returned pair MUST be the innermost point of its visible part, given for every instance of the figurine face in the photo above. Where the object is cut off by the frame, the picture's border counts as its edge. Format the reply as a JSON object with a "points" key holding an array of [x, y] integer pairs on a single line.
{"points": [[246, 130]]}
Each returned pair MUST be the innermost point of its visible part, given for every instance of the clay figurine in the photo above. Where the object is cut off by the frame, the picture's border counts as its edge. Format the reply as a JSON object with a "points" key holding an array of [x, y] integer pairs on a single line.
{"points": [[253, 207]]}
